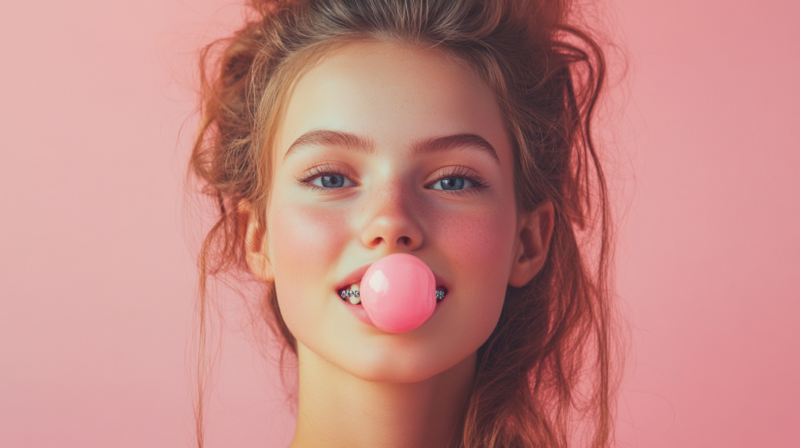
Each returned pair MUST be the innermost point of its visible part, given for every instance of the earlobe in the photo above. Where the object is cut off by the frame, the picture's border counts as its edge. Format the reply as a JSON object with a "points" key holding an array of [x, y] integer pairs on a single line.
{"points": [[255, 246], [534, 230]]}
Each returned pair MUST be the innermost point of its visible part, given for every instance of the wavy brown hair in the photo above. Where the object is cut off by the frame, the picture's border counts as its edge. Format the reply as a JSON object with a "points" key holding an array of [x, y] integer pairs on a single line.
{"points": [[545, 372]]}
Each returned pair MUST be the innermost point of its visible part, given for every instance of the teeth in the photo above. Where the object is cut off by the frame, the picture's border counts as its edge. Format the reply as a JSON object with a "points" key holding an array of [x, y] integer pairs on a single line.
{"points": [[353, 295]]}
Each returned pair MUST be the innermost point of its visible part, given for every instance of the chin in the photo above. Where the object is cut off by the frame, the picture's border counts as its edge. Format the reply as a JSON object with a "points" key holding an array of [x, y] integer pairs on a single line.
{"points": [[395, 366]]}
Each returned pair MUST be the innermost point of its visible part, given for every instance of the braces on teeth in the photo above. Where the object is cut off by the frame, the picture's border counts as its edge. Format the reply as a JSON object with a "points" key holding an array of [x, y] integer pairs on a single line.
{"points": [[353, 295]]}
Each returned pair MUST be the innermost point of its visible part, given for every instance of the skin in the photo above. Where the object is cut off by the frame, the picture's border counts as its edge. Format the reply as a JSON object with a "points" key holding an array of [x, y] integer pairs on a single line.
{"points": [[360, 386]]}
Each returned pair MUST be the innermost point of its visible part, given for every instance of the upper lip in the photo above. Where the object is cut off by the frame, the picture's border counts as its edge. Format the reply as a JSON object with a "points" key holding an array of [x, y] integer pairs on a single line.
{"points": [[355, 276]]}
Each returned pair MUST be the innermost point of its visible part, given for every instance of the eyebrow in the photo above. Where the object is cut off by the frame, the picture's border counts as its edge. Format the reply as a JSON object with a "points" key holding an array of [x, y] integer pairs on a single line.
{"points": [[437, 144], [361, 144]]}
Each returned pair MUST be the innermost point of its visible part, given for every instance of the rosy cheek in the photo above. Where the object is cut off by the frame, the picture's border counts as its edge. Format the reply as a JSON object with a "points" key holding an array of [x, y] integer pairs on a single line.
{"points": [[479, 243], [479, 251], [301, 234], [305, 241]]}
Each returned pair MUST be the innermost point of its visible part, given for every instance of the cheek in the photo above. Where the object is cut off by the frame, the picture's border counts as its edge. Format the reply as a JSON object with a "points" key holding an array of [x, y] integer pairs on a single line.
{"points": [[297, 234], [304, 242], [480, 249], [480, 246]]}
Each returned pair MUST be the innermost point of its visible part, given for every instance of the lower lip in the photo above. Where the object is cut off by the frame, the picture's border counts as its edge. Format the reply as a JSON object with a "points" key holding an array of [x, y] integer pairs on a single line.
{"points": [[361, 313], [357, 310]]}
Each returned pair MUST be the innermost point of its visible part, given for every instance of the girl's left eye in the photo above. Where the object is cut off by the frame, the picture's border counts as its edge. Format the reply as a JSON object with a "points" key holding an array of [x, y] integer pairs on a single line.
{"points": [[459, 180], [452, 183]]}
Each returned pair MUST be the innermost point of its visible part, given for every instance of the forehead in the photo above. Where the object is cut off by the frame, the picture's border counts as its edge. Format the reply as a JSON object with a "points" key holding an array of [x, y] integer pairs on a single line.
{"points": [[392, 94]]}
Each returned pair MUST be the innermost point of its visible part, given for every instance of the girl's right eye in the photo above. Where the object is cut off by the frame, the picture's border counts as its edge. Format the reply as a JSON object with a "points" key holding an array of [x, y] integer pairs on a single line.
{"points": [[326, 177], [331, 181]]}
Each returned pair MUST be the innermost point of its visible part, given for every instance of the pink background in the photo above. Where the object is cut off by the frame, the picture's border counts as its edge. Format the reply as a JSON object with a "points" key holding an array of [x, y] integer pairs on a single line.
{"points": [[96, 270]]}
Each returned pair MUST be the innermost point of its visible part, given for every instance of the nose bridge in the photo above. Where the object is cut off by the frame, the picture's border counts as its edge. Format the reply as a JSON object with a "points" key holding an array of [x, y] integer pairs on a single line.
{"points": [[391, 218]]}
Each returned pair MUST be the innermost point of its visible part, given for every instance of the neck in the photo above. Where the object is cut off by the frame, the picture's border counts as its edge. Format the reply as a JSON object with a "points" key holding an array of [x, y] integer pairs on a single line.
{"points": [[337, 409]]}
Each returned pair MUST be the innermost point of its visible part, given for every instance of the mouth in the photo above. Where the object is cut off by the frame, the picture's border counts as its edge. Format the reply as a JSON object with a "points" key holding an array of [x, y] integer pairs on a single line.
{"points": [[350, 291], [353, 294]]}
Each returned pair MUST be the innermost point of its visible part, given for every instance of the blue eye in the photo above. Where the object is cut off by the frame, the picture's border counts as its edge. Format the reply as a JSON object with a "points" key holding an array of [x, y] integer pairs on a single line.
{"points": [[452, 183], [332, 181]]}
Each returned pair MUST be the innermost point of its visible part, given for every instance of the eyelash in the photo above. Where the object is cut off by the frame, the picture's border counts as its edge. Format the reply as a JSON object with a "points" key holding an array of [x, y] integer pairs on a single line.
{"points": [[320, 170], [326, 170], [459, 171]]}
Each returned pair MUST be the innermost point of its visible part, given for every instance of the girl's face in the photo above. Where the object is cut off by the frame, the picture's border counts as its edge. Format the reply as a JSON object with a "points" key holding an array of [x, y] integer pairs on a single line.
{"points": [[385, 149]]}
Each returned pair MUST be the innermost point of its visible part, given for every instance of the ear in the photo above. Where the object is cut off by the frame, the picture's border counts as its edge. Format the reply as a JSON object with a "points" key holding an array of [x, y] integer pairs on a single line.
{"points": [[255, 246], [531, 244]]}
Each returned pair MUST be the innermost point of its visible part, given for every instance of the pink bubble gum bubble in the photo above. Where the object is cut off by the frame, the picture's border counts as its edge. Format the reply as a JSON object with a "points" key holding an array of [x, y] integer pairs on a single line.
{"points": [[398, 293]]}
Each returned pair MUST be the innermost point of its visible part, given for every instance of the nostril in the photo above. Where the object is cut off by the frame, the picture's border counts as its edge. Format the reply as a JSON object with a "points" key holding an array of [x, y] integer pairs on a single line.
{"points": [[404, 241]]}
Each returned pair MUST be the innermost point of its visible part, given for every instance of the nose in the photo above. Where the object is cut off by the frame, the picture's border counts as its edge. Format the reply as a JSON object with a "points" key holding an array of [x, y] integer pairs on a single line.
{"points": [[392, 221]]}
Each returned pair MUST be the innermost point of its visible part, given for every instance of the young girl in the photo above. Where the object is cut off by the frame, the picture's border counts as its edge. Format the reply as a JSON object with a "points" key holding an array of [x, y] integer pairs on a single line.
{"points": [[337, 133]]}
